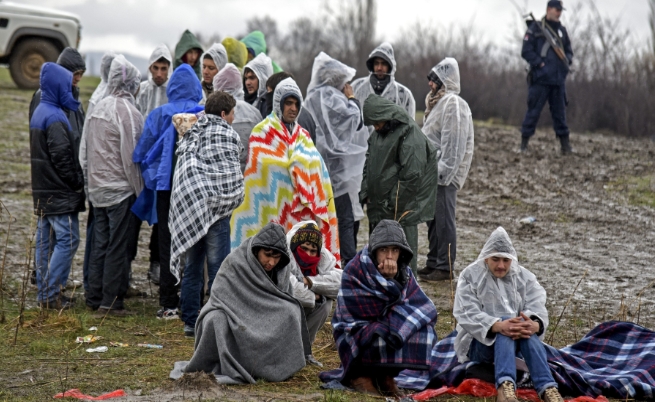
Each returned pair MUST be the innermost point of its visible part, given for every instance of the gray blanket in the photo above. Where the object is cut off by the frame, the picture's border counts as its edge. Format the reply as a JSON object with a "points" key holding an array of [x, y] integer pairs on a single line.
{"points": [[252, 327]]}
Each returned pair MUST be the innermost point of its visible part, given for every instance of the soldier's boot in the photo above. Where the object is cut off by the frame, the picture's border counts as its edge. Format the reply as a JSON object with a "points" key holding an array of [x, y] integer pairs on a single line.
{"points": [[566, 145], [524, 145]]}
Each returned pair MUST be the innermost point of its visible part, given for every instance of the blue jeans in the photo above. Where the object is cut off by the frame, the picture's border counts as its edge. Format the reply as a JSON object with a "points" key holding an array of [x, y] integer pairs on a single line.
{"points": [[61, 235], [502, 354], [215, 246]]}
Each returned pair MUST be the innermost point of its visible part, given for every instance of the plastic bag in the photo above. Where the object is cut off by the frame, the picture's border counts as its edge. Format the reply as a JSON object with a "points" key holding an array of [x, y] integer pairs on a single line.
{"points": [[483, 389], [77, 394]]}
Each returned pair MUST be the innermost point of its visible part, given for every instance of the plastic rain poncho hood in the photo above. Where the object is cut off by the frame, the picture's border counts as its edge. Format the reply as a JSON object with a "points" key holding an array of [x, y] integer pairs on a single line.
{"points": [[99, 92], [449, 126], [395, 92], [256, 41], [341, 144], [156, 146], [246, 116], [218, 54], [114, 129], [237, 53], [262, 67], [150, 95], [482, 299], [187, 42]]}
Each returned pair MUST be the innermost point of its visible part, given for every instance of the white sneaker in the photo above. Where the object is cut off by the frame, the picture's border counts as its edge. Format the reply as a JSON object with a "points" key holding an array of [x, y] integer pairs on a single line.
{"points": [[167, 314]]}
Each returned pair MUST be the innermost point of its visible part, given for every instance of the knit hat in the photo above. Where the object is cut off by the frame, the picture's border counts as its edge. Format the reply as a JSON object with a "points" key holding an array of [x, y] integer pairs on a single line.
{"points": [[307, 232]]}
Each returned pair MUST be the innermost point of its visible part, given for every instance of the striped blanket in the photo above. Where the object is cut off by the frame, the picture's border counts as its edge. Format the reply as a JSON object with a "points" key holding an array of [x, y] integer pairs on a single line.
{"points": [[615, 359], [286, 182]]}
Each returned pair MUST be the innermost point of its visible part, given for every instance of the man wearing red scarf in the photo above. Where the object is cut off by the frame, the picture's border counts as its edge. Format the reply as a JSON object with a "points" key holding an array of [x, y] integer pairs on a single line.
{"points": [[314, 277]]}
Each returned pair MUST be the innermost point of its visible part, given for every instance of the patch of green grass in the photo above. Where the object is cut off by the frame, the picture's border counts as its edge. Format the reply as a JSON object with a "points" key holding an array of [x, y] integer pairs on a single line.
{"points": [[640, 190]]}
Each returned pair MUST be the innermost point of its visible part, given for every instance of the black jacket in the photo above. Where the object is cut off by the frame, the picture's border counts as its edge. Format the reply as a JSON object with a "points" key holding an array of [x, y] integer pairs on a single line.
{"points": [[554, 70], [57, 180]]}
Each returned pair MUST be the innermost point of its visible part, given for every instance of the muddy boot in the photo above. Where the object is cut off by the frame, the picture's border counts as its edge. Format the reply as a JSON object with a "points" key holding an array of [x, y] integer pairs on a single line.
{"points": [[524, 145], [364, 385], [153, 272], [566, 145], [435, 276], [507, 393], [552, 395]]}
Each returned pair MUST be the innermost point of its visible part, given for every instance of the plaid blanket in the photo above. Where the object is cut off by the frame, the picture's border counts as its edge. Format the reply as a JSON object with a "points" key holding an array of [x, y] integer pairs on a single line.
{"points": [[207, 185], [615, 359], [379, 322], [286, 182]]}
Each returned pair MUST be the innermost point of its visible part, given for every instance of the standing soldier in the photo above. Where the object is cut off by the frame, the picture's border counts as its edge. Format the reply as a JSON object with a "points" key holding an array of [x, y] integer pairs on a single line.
{"points": [[547, 48]]}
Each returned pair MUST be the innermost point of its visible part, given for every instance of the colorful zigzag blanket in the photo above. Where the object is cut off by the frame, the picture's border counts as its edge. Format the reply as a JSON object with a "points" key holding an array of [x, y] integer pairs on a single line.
{"points": [[286, 181]]}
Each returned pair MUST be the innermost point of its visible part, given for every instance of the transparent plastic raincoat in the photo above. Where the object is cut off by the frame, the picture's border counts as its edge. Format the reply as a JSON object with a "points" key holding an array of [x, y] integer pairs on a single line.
{"points": [[450, 127], [150, 95], [218, 55], [114, 130], [100, 90], [395, 92], [246, 116], [262, 67], [341, 138], [482, 299]]}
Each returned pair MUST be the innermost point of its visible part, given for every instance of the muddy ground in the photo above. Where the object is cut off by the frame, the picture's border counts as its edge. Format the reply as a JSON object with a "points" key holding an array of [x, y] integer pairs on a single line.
{"points": [[594, 214]]}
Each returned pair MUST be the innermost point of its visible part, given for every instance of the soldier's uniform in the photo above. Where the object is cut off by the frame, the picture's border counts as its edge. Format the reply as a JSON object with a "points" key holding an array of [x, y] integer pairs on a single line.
{"points": [[547, 82]]}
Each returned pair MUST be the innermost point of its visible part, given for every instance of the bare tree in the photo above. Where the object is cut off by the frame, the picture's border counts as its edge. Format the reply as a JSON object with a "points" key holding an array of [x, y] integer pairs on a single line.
{"points": [[208, 40]]}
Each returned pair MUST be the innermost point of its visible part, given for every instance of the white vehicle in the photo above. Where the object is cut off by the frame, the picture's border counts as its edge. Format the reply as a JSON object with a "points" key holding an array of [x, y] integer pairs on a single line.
{"points": [[31, 36]]}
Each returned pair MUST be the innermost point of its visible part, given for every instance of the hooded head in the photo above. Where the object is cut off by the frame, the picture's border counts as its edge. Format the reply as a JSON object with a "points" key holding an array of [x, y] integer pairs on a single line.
{"points": [[105, 64], [385, 52], [255, 43], [217, 54], [229, 80], [71, 60], [378, 109], [389, 233], [448, 72], [263, 69], [285, 89], [184, 85], [329, 72], [157, 75], [273, 238], [498, 245], [57, 86], [187, 42], [237, 53], [123, 77]]}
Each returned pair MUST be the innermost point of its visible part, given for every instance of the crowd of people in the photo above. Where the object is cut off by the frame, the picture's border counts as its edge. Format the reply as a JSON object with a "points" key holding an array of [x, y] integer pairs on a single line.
{"points": [[255, 194]]}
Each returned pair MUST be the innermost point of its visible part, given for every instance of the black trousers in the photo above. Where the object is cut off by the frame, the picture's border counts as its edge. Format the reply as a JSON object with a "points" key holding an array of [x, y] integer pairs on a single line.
{"points": [[168, 297], [110, 255], [538, 95], [442, 230], [347, 234]]}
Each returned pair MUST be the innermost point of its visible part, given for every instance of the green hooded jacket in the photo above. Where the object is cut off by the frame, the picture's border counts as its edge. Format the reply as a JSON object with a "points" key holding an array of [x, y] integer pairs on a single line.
{"points": [[187, 42], [400, 173], [256, 41]]}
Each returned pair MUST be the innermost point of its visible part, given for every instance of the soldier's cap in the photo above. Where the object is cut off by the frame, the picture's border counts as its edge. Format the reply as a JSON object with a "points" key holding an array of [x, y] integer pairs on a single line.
{"points": [[557, 4]]}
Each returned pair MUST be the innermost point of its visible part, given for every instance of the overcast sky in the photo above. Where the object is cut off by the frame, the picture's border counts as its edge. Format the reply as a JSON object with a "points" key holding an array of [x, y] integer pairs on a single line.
{"points": [[136, 26]]}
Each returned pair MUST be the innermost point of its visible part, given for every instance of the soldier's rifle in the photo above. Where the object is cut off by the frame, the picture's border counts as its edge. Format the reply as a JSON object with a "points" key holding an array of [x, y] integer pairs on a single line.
{"points": [[553, 43]]}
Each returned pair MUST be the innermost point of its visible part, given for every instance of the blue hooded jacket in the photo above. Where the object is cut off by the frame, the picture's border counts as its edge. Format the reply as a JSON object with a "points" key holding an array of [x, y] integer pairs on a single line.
{"points": [[57, 180], [156, 147]]}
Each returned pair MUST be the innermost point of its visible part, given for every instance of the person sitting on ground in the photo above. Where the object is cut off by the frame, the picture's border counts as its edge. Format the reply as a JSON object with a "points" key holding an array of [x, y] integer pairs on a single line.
{"points": [[207, 187], [213, 61], [383, 322], [252, 327], [188, 51], [314, 278], [286, 179], [246, 116], [500, 309]]}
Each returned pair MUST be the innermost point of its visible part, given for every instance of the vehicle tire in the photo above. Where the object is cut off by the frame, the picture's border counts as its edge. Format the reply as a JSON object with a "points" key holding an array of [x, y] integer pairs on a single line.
{"points": [[26, 60]]}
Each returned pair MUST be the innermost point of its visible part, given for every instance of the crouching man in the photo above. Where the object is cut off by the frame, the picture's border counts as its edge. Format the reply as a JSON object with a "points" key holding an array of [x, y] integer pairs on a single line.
{"points": [[314, 278], [501, 311], [383, 322], [252, 327]]}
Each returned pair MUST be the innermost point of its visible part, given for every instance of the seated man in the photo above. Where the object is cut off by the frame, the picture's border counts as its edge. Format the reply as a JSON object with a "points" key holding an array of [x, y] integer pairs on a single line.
{"points": [[252, 327], [314, 278], [383, 322], [501, 310]]}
